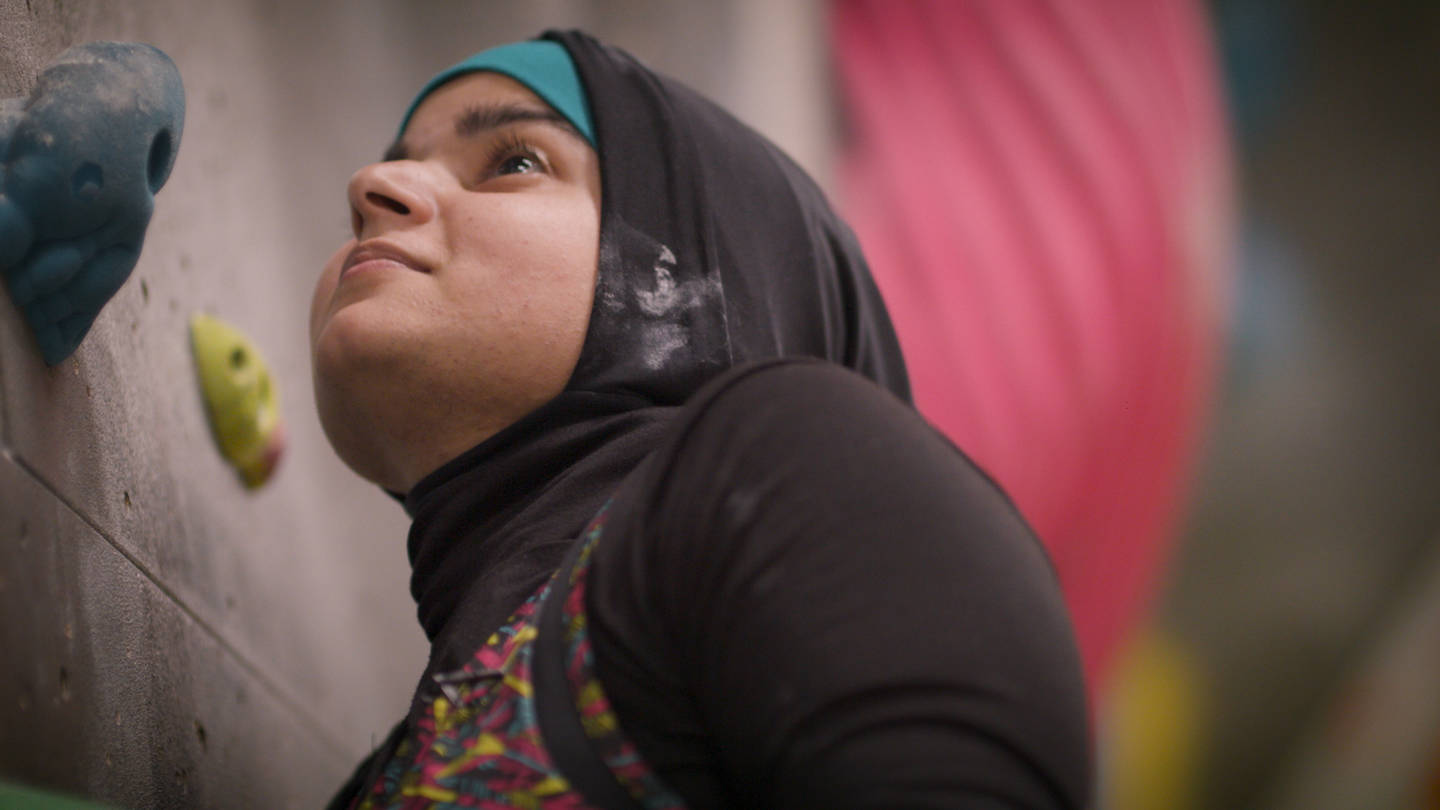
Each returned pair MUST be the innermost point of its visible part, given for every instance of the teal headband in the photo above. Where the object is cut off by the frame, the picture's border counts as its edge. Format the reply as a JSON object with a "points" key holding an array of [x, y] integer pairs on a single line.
{"points": [[541, 65]]}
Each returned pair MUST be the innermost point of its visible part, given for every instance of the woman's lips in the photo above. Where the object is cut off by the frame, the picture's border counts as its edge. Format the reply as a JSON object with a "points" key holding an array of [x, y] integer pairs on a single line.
{"points": [[373, 256]]}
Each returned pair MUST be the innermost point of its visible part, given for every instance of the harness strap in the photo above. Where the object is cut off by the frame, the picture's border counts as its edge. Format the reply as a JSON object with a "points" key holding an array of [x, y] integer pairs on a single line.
{"points": [[555, 710]]}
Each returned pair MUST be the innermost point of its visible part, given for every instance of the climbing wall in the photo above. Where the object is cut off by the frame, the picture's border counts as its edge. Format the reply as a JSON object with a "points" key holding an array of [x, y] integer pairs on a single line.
{"points": [[168, 638]]}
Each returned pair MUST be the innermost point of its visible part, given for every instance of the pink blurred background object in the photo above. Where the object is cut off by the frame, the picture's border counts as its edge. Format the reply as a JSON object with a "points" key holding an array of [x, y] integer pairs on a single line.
{"points": [[1043, 190]]}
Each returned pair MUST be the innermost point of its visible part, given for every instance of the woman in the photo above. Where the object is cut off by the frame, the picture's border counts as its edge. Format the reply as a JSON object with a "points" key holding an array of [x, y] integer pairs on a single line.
{"points": [[581, 327]]}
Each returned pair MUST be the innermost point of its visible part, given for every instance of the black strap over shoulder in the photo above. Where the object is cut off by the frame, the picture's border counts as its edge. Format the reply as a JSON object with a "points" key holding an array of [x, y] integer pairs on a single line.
{"points": [[555, 710]]}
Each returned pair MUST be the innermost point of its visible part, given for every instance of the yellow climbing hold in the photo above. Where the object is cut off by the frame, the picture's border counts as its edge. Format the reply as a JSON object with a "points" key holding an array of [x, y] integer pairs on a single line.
{"points": [[1153, 727], [241, 399]]}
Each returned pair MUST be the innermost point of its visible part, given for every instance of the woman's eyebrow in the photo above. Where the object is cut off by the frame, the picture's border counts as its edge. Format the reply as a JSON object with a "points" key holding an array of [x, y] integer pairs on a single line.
{"points": [[477, 120]]}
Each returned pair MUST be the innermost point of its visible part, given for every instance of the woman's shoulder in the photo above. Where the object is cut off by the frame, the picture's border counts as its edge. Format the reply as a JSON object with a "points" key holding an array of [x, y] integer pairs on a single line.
{"points": [[821, 428], [801, 522], [768, 405], [769, 454], [786, 387]]}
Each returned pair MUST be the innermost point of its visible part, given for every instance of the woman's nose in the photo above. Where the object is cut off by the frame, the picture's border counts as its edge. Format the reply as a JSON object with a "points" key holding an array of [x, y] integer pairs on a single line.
{"points": [[388, 195]]}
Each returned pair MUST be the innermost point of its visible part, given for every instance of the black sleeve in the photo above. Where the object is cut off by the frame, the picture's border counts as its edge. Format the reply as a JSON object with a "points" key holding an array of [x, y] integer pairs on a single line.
{"points": [[808, 598]]}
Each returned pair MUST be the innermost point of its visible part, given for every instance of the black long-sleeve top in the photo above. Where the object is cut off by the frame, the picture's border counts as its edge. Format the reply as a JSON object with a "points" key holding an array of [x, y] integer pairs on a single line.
{"points": [[808, 598]]}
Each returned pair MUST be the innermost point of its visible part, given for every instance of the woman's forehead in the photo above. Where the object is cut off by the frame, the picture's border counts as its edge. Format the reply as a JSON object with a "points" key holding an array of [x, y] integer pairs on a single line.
{"points": [[472, 106]]}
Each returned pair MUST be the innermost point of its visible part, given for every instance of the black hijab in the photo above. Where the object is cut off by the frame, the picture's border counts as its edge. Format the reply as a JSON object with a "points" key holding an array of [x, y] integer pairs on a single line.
{"points": [[715, 250]]}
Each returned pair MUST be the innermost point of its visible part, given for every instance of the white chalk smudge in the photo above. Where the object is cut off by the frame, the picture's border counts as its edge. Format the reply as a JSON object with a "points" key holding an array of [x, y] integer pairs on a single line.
{"points": [[663, 298], [660, 343]]}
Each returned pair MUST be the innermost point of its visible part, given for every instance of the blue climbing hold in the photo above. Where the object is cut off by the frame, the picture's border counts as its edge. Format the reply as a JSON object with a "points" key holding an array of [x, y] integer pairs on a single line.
{"points": [[80, 161]]}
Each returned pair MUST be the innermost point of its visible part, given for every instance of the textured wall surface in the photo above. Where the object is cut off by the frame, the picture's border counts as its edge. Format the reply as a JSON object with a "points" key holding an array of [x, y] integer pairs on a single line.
{"points": [[168, 639]]}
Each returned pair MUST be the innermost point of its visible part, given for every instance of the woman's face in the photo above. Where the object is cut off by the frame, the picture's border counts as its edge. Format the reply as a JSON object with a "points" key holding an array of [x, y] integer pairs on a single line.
{"points": [[462, 302]]}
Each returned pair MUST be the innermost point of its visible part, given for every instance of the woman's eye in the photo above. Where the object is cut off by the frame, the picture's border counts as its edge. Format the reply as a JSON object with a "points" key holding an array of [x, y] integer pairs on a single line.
{"points": [[517, 164], [512, 155]]}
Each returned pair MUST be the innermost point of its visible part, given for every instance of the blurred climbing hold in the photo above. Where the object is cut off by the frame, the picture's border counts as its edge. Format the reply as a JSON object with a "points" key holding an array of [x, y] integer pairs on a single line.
{"points": [[80, 161], [1153, 727], [240, 398], [1057, 265], [22, 797]]}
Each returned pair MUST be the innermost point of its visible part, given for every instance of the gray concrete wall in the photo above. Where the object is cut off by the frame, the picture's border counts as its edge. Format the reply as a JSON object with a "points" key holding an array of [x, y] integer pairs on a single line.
{"points": [[168, 639]]}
